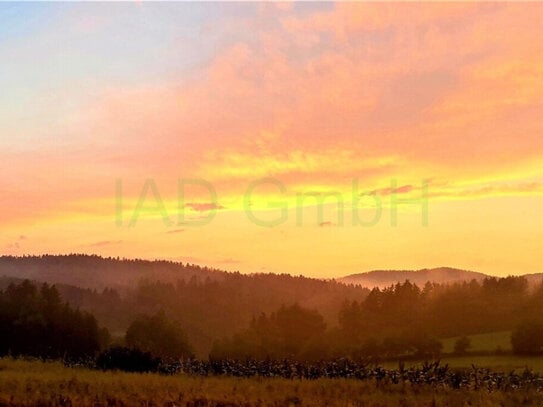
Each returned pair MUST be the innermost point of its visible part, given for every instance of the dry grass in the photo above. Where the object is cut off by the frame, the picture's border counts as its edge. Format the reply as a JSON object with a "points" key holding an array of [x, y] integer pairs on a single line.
{"points": [[32, 383]]}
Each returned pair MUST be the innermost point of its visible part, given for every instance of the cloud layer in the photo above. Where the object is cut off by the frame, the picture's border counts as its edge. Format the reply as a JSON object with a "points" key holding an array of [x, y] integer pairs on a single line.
{"points": [[313, 95]]}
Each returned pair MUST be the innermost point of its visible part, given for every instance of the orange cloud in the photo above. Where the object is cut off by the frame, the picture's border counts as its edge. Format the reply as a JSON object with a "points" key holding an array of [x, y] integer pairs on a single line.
{"points": [[369, 91]]}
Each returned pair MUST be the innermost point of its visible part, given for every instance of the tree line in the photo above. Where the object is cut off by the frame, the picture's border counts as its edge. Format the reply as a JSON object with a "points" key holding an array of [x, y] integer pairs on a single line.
{"points": [[35, 322], [400, 321]]}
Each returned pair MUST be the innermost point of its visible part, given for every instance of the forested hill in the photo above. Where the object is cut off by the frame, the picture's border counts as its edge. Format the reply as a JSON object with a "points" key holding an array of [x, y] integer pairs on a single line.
{"points": [[210, 304], [91, 271], [386, 278], [438, 275]]}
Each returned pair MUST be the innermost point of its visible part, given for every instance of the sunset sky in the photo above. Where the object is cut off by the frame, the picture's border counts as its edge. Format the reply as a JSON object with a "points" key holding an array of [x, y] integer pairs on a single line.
{"points": [[100, 103]]}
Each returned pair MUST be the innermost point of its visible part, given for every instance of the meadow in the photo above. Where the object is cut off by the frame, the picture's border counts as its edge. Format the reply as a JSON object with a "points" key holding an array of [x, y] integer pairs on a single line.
{"points": [[36, 383], [487, 342], [490, 350]]}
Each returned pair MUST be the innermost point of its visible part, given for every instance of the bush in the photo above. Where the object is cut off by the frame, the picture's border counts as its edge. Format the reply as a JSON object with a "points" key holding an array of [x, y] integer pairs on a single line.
{"points": [[128, 360], [427, 347], [527, 338], [461, 345]]}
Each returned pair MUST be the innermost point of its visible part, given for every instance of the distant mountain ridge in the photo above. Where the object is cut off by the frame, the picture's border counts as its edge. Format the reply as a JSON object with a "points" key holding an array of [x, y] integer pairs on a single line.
{"points": [[92, 271], [440, 275], [95, 272]]}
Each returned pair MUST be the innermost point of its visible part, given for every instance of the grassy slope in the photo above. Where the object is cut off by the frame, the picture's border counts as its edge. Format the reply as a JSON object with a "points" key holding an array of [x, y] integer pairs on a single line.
{"points": [[37, 383], [482, 342], [488, 342]]}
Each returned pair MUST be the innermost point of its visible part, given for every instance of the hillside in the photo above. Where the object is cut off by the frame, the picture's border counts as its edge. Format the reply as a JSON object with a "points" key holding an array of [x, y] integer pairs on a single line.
{"points": [[213, 304], [210, 304], [385, 278], [534, 279], [95, 272]]}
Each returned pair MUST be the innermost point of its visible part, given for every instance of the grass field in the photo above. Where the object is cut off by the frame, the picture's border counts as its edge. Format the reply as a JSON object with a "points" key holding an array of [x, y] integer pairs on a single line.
{"points": [[32, 383], [488, 342], [502, 363]]}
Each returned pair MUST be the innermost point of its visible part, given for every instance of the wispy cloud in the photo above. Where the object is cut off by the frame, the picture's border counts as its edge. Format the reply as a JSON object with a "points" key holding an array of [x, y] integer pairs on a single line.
{"points": [[203, 206], [104, 243], [171, 232]]}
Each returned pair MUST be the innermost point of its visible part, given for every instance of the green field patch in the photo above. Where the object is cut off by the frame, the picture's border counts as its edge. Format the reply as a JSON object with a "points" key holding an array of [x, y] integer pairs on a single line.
{"points": [[488, 342]]}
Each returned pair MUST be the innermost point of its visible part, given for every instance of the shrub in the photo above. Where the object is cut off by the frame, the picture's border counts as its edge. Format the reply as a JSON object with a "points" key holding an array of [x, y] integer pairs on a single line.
{"points": [[461, 345], [527, 338], [128, 360]]}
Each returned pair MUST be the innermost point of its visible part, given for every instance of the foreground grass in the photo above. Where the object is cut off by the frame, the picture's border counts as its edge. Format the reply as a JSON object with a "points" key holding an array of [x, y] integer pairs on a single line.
{"points": [[32, 383], [501, 363]]}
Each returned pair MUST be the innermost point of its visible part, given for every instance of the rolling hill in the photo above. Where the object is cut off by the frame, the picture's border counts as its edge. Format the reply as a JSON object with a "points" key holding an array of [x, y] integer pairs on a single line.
{"points": [[208, 303], [95, 272], [385, 278]]}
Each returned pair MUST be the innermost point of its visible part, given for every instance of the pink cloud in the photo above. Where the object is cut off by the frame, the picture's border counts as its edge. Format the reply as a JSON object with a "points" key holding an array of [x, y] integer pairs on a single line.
{"points": [[435, 86], [345, 90]]}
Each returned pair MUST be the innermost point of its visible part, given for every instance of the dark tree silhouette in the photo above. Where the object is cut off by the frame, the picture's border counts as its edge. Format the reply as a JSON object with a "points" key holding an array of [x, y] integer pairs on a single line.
{"points": [[461, 345], [527, 338], [159, 336], [36, 323], [289, 332]]}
